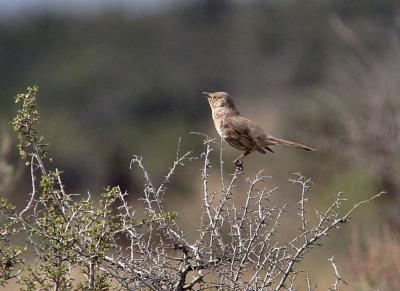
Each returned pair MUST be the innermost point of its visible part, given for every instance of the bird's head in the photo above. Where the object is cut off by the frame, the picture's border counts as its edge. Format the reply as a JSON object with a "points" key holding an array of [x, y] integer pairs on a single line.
{"points": [[220, 100]]}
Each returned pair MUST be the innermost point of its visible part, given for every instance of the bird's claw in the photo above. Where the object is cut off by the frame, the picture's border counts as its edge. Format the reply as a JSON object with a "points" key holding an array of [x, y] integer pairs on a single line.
{"points": [[238, 164]]}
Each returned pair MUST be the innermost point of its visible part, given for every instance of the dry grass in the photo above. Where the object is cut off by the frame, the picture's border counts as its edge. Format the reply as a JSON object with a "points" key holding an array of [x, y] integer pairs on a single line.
{"points": [[374, 261]]}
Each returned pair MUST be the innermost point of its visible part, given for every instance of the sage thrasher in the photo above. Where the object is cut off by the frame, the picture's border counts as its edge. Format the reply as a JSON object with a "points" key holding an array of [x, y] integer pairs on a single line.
{"points": [[240, 132]]}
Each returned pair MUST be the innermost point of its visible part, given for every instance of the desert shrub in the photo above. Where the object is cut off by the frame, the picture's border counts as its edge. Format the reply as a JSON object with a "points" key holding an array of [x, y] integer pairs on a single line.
{"points": [[74, 242]]}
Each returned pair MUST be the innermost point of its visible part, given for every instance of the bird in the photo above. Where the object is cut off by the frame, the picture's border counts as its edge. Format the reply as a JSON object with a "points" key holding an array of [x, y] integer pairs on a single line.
{"points": [[240, 132]]}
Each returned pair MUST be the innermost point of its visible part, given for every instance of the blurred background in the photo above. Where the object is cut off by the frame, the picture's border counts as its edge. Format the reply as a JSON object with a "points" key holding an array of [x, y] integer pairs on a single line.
{"points": [[125, 77]]}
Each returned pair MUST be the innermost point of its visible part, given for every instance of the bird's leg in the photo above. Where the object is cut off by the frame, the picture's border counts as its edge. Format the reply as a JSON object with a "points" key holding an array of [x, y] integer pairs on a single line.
{"points": [[239, 161]]}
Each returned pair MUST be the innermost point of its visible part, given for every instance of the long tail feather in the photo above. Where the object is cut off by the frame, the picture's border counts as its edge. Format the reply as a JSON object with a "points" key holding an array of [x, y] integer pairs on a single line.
{"points": [[289, 143]]}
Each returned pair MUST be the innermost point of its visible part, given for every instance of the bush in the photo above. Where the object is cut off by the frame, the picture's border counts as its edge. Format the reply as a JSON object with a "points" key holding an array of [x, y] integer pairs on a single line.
{"points": [[111, 245]]}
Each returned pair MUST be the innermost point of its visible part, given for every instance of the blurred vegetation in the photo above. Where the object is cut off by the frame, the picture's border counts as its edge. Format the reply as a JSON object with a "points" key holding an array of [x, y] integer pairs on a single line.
{"points": [[115, 84]]}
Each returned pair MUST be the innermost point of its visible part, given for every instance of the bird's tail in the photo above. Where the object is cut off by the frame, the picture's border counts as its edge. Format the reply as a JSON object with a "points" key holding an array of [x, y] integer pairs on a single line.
{"points": [[276, 140]]}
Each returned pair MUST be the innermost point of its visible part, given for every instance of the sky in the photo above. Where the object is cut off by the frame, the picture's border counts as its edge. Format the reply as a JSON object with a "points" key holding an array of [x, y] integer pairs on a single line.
{"points": [[10, 8]]}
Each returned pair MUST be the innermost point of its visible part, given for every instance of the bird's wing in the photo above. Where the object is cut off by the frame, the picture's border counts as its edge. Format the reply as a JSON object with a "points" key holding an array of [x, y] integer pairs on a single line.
{"points": [[239, 133]]}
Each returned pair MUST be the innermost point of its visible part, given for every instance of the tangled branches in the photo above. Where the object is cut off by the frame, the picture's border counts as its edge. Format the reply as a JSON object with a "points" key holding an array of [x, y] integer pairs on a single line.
{"points": [[114, 248]]}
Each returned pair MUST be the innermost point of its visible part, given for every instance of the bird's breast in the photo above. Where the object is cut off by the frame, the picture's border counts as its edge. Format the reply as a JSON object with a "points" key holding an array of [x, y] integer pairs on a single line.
{"points": [[219, 123]]}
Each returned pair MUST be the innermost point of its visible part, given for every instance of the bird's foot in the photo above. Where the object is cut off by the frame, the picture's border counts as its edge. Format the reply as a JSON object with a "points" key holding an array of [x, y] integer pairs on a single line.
{"points": [[239, 164]]}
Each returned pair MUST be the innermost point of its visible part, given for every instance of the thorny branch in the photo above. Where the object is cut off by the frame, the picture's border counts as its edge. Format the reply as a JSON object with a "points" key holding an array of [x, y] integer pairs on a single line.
{"points": [[236, 247], [232, 239]]}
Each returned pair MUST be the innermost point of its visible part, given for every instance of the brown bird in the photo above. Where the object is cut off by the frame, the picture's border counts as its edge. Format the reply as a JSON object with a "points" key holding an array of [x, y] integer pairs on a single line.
{"points": [[240, 132]]}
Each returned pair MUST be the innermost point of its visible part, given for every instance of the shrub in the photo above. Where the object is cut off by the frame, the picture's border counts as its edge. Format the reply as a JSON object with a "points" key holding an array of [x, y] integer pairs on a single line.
{"points": [[112, 246]]}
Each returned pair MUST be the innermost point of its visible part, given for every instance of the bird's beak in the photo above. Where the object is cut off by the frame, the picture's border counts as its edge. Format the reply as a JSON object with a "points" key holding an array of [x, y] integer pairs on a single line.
{"points": [[206, 94]]}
